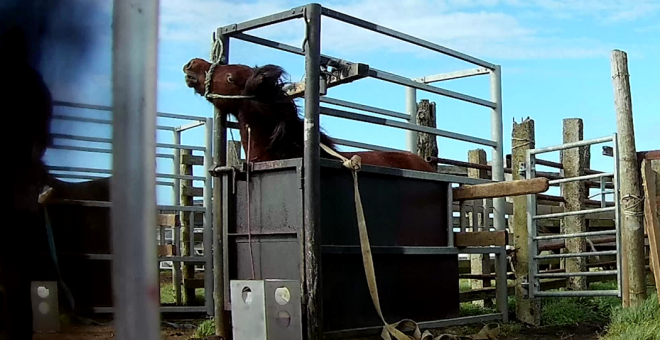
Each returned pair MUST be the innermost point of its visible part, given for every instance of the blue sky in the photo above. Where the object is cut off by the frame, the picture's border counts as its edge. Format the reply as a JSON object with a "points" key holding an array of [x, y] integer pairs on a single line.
{"points": [[555, 57]]}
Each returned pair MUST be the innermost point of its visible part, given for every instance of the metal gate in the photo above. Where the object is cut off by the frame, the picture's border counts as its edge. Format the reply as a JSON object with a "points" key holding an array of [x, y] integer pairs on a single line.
{"points": [[534, 284]]}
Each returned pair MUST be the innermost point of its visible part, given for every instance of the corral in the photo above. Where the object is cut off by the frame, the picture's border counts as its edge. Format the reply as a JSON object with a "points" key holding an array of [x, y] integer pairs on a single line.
{"points": [[294, 219]]}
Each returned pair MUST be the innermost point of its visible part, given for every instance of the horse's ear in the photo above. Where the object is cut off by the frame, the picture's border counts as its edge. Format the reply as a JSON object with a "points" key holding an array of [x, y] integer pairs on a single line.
{"points": [[265, 82]]}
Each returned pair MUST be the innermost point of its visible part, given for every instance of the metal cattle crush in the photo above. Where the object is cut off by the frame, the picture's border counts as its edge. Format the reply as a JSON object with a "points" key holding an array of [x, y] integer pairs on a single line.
{"points": [[312, 173]]}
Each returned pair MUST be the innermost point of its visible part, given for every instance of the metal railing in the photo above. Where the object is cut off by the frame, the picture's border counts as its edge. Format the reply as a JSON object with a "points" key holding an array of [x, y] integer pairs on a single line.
{"points": [[88, 173], [534, 284]]}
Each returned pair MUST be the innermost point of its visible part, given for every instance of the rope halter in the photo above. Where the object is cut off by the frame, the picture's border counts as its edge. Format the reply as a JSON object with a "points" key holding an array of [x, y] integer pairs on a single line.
{"points": [[217, 58]]}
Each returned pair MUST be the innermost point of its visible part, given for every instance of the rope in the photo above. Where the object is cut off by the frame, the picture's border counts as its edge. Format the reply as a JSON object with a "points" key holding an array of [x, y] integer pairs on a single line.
{"points": [[630, 205], [247, 174], [217, 58], [389, 330]]}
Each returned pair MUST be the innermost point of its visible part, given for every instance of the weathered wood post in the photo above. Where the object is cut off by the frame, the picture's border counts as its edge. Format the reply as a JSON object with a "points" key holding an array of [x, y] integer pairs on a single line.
{"points": [[479, 263], [523, 138], [651, 180], [427, 144], [234, 153], [575, 160], [187, 225], [631, 197]]}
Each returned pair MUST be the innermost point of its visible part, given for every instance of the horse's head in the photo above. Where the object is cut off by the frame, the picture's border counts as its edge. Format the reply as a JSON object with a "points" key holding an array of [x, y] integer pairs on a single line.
{"points": [[225, 80]]}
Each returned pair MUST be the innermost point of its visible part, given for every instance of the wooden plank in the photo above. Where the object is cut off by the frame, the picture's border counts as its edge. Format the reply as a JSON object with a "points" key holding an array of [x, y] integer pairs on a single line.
{"points": [[480, 238], [166, 220], [501, 189], [351, 73], [193, 283], [187, 159], [427, 144], [166, 250], [192, 191], [652, 224]]}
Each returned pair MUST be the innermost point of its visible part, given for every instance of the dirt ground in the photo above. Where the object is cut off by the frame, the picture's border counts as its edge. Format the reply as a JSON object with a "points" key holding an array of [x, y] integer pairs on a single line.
{"points": [[581, 332]]}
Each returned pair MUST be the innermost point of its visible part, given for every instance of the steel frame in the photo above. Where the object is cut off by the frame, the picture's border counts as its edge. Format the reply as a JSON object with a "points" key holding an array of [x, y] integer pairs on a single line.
{"points": [[532, 218], [74, 173], [312, 13]]}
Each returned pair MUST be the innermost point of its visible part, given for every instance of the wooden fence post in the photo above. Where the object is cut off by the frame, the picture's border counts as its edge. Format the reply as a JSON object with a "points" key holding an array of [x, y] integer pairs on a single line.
{"points": [[427, 144], [631, 197], [187, 226], [575, 160], [479, 263], [234, 153], [527, 310]]}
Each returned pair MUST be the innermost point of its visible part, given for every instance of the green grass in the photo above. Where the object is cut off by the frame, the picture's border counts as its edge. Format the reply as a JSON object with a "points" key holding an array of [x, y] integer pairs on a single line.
{"points": [[636, 323], [167, 294], [206, 328], [571, 311]]}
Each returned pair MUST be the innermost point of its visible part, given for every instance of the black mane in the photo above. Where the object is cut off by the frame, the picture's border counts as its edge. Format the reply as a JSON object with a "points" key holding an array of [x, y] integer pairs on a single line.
{"points": [[277, 112]]}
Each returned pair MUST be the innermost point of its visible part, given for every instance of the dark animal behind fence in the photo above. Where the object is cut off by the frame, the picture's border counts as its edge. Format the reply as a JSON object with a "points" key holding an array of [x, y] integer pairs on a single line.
{"points": [[276, 127], [27, 109]]}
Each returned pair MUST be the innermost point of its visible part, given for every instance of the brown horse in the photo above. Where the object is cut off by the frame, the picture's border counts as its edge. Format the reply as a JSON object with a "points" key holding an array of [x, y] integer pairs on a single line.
{"points": [[257, 98]]}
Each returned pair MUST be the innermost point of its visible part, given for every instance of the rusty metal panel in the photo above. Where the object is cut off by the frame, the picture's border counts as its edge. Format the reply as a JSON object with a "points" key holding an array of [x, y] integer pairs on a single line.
{"points": [[400, 211]]}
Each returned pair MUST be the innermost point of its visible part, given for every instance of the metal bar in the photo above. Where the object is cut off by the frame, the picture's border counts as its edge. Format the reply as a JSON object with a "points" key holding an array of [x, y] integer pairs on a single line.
{"points": [[549, 163], [450, 217], [176, 266], [109, 109], [598, 273], [463, 221], [272, 19], [367, 108], [575, 293], [572, 213], [208, 221], [411, 250], [581, 178], [404, 37], [603, 199], [180, 146], [453, 75], [312, 174], [585, 234], [108, 171], [183, 208], [109, 141], [163, 309], [101, 121], [617, 213], [134, 66], [189, 126], [185, 177], [98, 150], [411, 108], [396, 79], [585, 142], [386, 122], [501, 284], [530, 173], [368, 331], [497, 173], [363, 145], [566, 255]]}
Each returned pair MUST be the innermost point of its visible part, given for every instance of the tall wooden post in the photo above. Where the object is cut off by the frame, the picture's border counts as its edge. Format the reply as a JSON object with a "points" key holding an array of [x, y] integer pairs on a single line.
{"points": [[575, 160], [631, 197], [527, 310], [427, 144], [234, 153], [187, 225], [479, 263]]}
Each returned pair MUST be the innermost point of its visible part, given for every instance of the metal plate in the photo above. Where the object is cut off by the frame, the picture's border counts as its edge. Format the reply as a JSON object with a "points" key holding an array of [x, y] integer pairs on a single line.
{"points": [[45, 307]]}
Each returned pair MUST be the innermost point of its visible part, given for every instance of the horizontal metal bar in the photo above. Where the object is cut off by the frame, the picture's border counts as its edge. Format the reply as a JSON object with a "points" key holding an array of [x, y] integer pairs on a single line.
{"points": [[364, 145], [102, 204], [102, 121], [188, 126], [598, 273], [185, 177], [368, 331], [163, 309], [98, 150], [109, 141], [573, 213], [453, 75], [410, 250], [566, 255], [92, 177], [185, 259], [407, 126], [585, 234], [272, 19], [575, 293], [187, 208], [404, 37], [279, 46], [109, 109], [367, 108], [571, 145], [581, 178], [396, 79], [109, 171]]}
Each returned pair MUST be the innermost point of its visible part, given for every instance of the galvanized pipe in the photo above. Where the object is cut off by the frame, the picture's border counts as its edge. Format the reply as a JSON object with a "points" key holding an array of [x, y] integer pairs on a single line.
{"points": [[572, 145], [572, 213], [585, 234], [578, 293], [581, 178], [367, 108], [411, 109], [208, 217], [530, 173], [617, 214], [598, 273], [134, 86], [176, 274], [566, 255]]}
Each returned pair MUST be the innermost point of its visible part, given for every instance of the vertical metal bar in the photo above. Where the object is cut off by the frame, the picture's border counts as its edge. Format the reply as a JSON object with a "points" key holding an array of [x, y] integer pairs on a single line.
{"points": [[501, 297], [463, 222], [191, 235], [487, 214], [219, 211], [602, 192], [617, 215], [411, 109], [176, 266], [134, 265], [312, 172], [208, 217], [531, 226], [499, 203], [450, 217]]}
